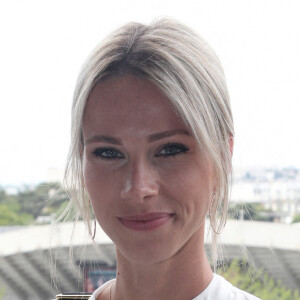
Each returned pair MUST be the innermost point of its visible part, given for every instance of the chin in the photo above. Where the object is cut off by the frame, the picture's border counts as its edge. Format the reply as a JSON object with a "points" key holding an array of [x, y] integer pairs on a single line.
{"points": [[145, 255]]}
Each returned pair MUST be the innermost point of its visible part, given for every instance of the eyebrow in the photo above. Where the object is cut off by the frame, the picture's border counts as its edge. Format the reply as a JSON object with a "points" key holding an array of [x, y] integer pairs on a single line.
{"points": [[104, 139], [157, 136], [152, 138]]}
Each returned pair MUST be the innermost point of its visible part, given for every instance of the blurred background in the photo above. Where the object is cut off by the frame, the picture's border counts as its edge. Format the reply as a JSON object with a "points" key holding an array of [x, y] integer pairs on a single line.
{"points": [[43, 45]]}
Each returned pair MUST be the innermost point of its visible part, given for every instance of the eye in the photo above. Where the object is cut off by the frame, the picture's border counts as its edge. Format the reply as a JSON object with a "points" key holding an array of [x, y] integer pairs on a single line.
{"points": [[172, 150], [108, 153]]}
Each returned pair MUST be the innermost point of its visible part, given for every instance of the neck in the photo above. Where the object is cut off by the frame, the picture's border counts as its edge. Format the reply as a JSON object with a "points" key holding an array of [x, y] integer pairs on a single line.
{"points": [[183, 276]]}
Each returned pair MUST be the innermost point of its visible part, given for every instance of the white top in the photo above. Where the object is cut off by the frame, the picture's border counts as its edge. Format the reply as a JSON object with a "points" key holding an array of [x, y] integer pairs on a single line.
{"points": [[218, 289]]}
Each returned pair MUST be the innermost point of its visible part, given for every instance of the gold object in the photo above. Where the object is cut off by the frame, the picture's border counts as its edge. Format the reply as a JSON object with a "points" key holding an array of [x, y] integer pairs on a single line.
{"points": [[73, 296]]}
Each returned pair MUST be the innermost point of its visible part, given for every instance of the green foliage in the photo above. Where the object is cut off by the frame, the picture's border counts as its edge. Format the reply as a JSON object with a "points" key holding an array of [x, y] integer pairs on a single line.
{"points": [[296, 219], [23, 208], [35, 201], [257, 283], [2, 292], [9, 216]]}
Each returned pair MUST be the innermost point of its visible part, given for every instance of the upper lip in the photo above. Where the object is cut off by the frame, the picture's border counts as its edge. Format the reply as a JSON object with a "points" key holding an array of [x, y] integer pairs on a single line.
{"points": [[147, 216]]}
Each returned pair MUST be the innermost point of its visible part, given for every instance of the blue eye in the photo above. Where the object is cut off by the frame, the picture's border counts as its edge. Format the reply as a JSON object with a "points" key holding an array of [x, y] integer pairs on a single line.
{"points": [[108, 153], [172, 150]]}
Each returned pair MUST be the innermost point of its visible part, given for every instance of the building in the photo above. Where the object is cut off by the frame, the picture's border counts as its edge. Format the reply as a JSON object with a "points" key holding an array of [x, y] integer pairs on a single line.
{"points": [[277, 190]]}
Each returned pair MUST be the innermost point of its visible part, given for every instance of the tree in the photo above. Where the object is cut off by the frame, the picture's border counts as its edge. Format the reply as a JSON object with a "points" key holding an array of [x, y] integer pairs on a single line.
{"points": [[45, 199], [2, 292], [296, 219], [22, 209], [258, 283], [9, 216]]}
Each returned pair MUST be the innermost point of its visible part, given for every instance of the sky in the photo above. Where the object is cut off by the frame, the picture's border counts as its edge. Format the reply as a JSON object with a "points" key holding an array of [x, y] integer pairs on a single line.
{"points": [[44, 43]]}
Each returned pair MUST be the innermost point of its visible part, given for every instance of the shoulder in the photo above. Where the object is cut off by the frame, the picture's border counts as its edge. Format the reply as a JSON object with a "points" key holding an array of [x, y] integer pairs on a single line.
{"points": [[221, 289], [100, 289]]}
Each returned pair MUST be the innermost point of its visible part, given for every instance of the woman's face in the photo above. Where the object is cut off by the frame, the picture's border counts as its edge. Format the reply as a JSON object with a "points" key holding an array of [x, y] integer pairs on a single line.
{"points": [[149, 183]]}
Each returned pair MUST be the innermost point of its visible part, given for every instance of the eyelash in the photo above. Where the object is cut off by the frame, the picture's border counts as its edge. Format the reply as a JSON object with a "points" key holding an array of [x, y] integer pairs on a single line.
{"points": [[112, 154], [179, 150], [100, 151]]}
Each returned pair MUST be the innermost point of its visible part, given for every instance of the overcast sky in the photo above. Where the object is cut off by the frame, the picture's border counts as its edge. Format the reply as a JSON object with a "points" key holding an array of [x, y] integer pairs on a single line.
{"points": [[43, 44]]}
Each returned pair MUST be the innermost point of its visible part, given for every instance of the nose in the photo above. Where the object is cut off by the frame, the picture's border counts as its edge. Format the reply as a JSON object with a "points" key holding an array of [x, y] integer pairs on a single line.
{"points": [[140, 182]]}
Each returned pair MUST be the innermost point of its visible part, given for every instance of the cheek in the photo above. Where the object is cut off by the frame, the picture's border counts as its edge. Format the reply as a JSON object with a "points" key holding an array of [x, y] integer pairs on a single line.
{"points": [[192, 186], [97, 184], [188, 177]]}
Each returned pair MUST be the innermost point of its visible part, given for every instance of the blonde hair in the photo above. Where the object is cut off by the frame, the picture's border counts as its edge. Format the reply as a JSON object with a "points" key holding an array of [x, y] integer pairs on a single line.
{"points": [[188, 72]]}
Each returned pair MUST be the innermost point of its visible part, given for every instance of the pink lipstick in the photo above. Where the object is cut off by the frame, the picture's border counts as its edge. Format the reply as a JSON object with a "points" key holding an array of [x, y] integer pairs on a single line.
{"points": [[146, 221]]}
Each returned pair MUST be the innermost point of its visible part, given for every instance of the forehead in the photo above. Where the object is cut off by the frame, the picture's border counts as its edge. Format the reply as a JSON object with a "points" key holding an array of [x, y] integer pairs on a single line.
{"points": [[128, 101]]}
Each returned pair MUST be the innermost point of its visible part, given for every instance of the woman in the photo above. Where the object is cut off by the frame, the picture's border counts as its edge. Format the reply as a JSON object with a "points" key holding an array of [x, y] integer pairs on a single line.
{"points": [[152, 140]]}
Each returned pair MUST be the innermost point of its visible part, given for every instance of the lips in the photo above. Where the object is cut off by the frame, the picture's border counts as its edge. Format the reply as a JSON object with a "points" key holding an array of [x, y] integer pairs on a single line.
{"points": [[148, 221]]}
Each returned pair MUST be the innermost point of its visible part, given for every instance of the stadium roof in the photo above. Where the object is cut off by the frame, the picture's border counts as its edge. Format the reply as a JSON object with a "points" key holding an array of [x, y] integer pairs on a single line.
{"points": [[24, 255]]}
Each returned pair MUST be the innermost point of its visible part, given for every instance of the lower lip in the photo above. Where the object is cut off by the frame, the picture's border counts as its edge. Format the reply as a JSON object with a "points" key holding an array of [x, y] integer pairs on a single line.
{"points": [[146, 225]]}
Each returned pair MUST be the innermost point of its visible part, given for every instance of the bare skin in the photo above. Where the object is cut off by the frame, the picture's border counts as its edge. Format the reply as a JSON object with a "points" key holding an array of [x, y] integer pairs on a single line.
{"points": [[150, 186], [160, 281]]}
